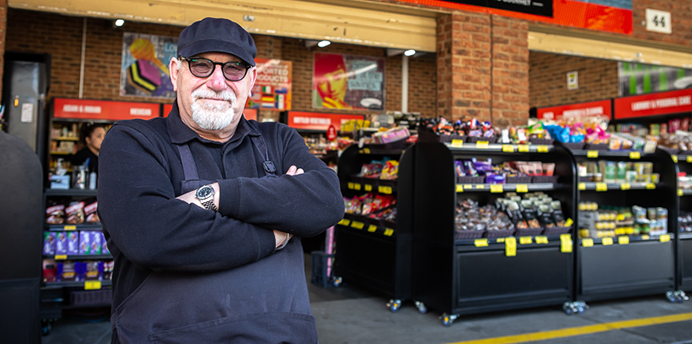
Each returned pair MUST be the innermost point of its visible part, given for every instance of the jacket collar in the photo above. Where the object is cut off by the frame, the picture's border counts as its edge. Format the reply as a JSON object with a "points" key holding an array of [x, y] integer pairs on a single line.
{"points": [[180, 133]]}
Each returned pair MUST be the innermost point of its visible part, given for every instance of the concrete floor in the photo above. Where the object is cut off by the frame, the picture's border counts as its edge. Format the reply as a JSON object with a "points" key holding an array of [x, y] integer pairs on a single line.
{"points": [[350, 315]]}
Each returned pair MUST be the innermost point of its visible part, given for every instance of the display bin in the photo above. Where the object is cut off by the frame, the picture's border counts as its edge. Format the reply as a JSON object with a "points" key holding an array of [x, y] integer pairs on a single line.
{"points": [[91, 297], [556, 230], [499, 233], [528, 231], [469, 234], [518, 180], [427, 136]]}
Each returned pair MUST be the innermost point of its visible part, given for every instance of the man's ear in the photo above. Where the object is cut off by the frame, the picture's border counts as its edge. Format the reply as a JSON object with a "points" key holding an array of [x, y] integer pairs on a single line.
{"points": [[173, 68]]}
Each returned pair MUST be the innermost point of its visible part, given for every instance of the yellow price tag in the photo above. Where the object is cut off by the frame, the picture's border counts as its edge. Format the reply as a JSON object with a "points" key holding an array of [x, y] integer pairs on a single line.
{"points": [[366, 150], [385, 189], [650, 186], [680, 193], [623, 240], [70, 228], [565, 243], [356, 186], [480, 186], [500, 240], [675, 158], [388, 231], [495, 188], [481, 242], [508, 148], [468, 186], [635, 155], [368, 187], [542, 149], [607, 241], [601, 187], [541, 239], [522, 188], [582, 186], [525, 240], [664, 238], [372, 228], [592, 154], [523, 148], [357, 225], [460, 188], [482, 144], [568, 222], [350, 186], [645, 237], [625, 186], [92, 285], [457, 143], [689, 158], [61, 257], [511, 246], [587, 242], [344, 222]]}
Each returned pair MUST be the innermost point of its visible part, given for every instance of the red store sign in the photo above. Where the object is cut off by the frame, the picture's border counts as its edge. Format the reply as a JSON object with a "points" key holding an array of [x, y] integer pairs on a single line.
{"points": [[103, 109], [597, 108], [318, 121], [654, 104]]}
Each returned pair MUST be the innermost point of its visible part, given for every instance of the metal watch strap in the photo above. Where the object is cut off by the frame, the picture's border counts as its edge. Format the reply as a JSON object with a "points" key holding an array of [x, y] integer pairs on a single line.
{"points": [[210, 205]]}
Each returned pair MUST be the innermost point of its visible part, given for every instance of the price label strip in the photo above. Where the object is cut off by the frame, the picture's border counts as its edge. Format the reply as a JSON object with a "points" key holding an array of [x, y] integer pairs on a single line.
{"points": [[522, 188], [645, 237], [587, 242], [92, 285], [525, 240], [372, 228], [541, 239], [460, 188], [500, 240], [635, 155], [675, 158], [592, 154], [356, 186], [357, 225], [481, 242], [565, 243], [457, 143], [523, 148], [366, 150], [508, 148], [625, 186], [689, 158], [623, 240], [542, 149], [650, 186], [482, 144], [350, 186], [680, 192], [607, 241], [664, 238], [344, 222], [510, 246], [496, 188], [582, 186], [388, 232], [385, 189], [601, 187], [70, 228], [368, 187], [61, 257]]}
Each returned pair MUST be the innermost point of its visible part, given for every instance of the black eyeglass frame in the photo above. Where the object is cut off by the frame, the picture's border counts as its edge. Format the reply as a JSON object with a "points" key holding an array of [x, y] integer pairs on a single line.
{"points": [[211, 71]]}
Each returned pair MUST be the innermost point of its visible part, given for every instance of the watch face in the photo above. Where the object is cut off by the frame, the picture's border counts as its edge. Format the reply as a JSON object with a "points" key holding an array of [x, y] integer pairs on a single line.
{"points": [[205, 192]]}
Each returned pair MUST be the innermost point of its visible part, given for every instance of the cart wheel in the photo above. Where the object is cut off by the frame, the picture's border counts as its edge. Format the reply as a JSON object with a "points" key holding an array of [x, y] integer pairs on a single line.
{"points": [[671, 296], [421, 307], [45, 329], [394, 305], [568, 308], [447, 320], [337, 281]]}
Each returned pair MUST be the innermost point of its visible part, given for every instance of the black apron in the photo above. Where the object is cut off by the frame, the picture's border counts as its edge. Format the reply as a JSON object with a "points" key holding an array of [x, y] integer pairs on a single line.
{"points": [[254, 303]]}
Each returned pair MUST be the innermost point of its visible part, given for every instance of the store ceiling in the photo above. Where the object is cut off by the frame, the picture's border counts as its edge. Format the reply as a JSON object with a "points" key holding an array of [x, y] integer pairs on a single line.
{"points": [[352, 22]]}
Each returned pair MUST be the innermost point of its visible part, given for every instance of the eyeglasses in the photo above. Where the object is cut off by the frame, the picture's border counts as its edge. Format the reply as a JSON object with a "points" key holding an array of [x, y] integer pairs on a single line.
{"points": [[203, 68]]}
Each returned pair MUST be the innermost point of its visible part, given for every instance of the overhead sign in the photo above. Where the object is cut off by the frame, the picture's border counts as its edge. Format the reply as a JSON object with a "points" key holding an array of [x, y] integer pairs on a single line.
{"points": [[602, 15], [654, 104], [318, 121], [590, 109], [103, 109]]}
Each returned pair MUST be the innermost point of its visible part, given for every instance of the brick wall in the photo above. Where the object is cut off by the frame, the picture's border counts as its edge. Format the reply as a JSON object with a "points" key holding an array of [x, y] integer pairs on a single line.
{"points": [[510, 74], [61, 36], [598, 79]]}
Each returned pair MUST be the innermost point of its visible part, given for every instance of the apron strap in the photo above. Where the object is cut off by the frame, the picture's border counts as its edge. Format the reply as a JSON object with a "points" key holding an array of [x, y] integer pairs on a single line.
{"points": [[189, 166], [267, 165]]}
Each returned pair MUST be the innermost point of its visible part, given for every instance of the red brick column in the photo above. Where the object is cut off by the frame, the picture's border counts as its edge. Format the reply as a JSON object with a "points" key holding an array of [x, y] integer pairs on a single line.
{"points": [[482, 67]]}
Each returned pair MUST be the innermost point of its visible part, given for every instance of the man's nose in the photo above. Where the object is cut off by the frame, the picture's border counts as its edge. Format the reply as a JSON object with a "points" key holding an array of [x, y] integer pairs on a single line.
{"points": [[217, 81]]}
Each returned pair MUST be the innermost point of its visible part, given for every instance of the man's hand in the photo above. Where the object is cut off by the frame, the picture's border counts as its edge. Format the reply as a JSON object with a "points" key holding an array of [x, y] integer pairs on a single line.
{"points": [[283, 237]]}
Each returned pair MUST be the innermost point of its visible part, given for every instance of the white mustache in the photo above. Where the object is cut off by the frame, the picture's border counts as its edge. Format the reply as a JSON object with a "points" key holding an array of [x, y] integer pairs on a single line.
{"points": [[226, 95]]}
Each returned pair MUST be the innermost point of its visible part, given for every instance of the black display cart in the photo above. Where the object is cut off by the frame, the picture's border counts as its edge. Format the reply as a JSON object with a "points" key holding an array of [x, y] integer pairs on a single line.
{"points": [[628, 266], [684, 243], [466, 276], [376, 254]]}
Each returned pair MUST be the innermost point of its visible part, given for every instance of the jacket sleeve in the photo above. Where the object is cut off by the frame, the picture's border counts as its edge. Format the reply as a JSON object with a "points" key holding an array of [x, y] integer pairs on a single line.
{"points": [[303, 205], [150, 227]]}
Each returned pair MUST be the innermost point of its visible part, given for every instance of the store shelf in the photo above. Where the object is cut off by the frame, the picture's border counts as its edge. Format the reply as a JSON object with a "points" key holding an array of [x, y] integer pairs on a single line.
{"points": [[685, 235], [80, 227], [602, 187], [625, 240], [60, 153], [684, 192], [71, 192], [496, 147], [499, 188], [384, 186], [595, 154], [369, 225], [80, 257], [85, 284]]}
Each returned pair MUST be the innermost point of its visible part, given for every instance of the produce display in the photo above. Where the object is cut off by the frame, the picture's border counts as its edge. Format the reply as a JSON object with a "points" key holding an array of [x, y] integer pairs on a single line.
{"points": [[608, 221]]}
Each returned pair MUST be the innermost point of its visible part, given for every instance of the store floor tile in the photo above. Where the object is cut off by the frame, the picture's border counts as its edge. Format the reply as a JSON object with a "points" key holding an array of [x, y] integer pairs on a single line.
{"points": [[349, 315]]}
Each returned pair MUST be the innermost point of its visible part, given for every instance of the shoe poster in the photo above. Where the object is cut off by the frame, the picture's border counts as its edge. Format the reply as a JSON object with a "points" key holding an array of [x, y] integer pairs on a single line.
{"points": [[144, 70], [348, 82]]}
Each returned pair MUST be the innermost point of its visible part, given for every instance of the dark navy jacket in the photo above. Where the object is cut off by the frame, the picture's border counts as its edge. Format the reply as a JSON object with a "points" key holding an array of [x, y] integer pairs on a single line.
{"points": [[183, 272]]}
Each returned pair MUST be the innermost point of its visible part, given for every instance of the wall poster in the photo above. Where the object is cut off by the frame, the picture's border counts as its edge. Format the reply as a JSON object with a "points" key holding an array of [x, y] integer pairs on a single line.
{"points": [[639, 78], [144, 71], [348, 82], [272, 90]]}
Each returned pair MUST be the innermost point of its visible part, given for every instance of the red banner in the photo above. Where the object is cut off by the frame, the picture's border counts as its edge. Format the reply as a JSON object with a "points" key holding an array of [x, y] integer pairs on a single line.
{"points": [[579, 14], [654, 104], [318, 121], [103, 109], [597, 108]]}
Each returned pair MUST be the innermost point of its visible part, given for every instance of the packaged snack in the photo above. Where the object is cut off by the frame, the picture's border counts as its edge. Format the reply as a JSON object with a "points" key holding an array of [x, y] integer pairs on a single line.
{"points": [[75, 213], [93, 270], [96, 242], [55, 214], [390, 170], [48, 243], [65, 271], [84, 242], [72, 242], [49, 270], [108, 270], [90, 213], [104, 245], [61, 243]]}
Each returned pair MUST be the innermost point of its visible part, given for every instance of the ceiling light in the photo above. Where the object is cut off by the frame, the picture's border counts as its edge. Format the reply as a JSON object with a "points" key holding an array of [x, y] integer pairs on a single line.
{"points": [[324, 43], [409, 52], [119, 22]]}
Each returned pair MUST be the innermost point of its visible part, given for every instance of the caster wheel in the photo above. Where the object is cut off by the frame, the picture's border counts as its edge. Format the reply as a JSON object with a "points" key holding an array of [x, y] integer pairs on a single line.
{"points": [[447, 320], [580, 310], [421, 307], [671, 296], [337, 281], [394, 305], [45, 330]]}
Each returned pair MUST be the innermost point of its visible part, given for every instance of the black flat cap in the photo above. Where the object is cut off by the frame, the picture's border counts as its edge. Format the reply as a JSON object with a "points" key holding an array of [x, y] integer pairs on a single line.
{"points": [[217, 35]]}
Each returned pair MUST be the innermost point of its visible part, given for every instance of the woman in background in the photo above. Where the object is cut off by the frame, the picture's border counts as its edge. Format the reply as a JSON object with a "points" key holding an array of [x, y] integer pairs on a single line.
{"points": [[90, 136]]}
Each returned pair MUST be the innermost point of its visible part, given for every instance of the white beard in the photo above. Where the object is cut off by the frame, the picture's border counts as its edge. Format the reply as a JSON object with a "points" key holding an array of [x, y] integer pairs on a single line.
{"points": [[213, 115]]}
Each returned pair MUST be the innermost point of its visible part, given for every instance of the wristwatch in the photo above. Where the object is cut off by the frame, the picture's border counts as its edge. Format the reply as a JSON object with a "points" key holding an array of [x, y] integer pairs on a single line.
{"points": [[205, 194]]}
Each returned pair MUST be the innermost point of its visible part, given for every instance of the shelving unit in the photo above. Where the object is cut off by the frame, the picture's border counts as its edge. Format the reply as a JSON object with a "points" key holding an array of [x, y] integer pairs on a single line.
{"points": [[372, 253], [628, 266], [684, 242], [466, 276]]}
